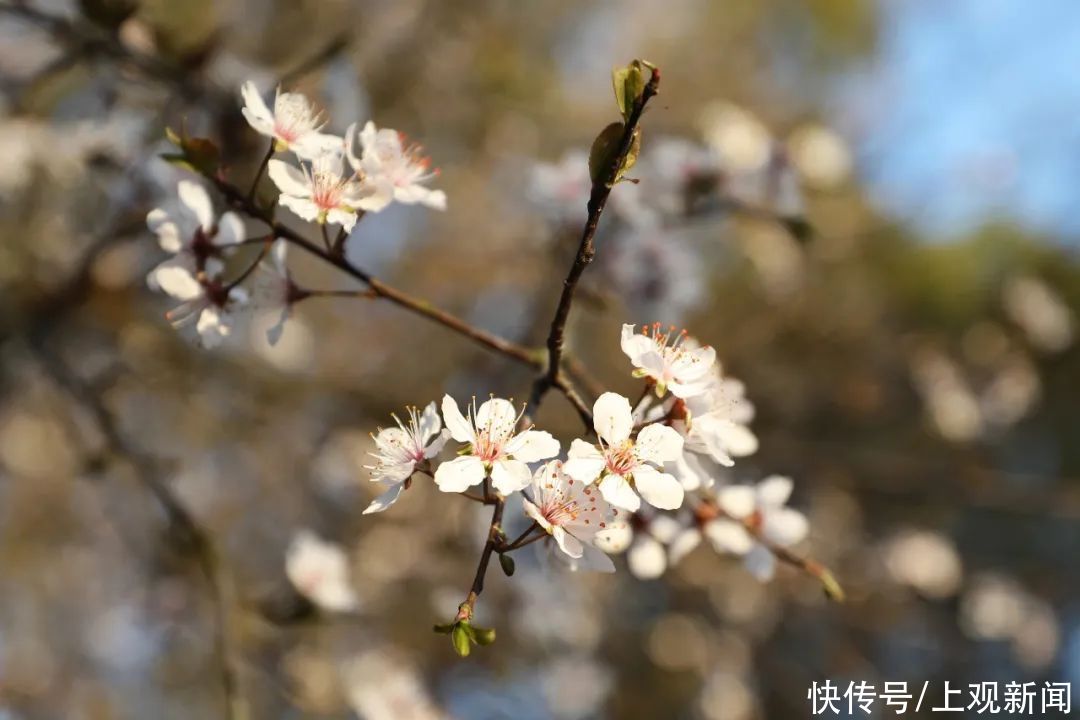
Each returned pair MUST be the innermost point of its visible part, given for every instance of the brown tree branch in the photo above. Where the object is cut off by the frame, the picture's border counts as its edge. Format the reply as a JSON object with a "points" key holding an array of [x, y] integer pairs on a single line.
{"points": [[379, 289], [601, 189]]}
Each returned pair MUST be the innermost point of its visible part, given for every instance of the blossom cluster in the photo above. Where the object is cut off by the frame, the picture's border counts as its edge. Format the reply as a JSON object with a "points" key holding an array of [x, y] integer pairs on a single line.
{"points": [[614, 490], [330, 183]]}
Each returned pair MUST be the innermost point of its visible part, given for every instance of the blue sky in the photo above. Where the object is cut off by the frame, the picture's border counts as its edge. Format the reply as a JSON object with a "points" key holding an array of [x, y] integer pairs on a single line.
{"points": [[969, 111]]}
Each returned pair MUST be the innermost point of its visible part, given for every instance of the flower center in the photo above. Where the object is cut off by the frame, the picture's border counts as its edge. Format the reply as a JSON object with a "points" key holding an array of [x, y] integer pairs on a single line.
{"points": [[292, 117], [327, 189], [411, 166], [562, 513], [620, 460]]}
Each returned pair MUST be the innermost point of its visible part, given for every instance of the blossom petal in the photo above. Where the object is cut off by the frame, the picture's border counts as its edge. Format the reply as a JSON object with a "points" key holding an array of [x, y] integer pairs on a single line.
{"points": [[275, 331], [498, 415], [161, 224], [784, 526], [350, 147], [567, 542], [303, 207], [617, 491], [230, 230], [728, 536], [646, 558], [693, 364], [255, 108], [194, 197], [460, 428], [612, 418], [634, 344], [760, 562], [585, 462], [429, 423], [415, 193], [435, 446], [615, 538], [290, 180], [774, 490], [313, 144], [213, 326], [533, 446], [345, 218], [658, 444], [375, 193], [534, 512], [460, 474], [384, 500], [738, 501], [658, 489], [177, 281], [509, 476], [684, 544], [593, 559]]}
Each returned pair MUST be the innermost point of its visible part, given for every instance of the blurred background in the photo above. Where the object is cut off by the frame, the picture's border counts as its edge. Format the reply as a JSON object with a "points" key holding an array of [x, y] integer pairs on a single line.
{"points": [[912, 358]]}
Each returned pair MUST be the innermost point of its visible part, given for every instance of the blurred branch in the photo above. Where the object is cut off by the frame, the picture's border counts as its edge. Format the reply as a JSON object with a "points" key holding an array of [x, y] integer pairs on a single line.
{"points": [[601, 189], [419, 306], [552, 375], [87, 40], [183, 531], [711, 509], [465, 610], [316, 61]]}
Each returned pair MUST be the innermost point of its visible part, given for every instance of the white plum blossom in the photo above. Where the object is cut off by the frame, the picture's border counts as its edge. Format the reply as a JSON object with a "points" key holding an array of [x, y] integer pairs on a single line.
{"points": [[561, 189], [380, 684], [187, 229], [714, 426], [401, 449], [764, 509], [321, 192], [627, 467], [273, 290], [210, 304], [643, 537], [386, 160], [495, 447], [718, 422], [571, 512], [319, 570], [293, 124], [668, 361]]}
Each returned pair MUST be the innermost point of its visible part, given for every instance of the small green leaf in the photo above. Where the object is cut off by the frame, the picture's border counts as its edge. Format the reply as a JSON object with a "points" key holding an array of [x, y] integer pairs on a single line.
{"points": [[460, 638], [603, 151], [831, 586], [483, 636], [179, 160], [507, 564], [629, 84], [444, 629], [631, 156]]}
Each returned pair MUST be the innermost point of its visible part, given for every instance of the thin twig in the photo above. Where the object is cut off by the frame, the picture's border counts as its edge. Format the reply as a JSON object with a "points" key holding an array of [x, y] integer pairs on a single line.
{"points": [[465, 610], [416, 305], [261, 170], [601, 189], [316, 61], [710, 509], [185, 529]]}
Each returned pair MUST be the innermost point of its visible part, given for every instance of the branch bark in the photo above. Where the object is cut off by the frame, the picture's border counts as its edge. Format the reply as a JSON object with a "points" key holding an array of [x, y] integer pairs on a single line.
{"points": [[601, 190]]}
